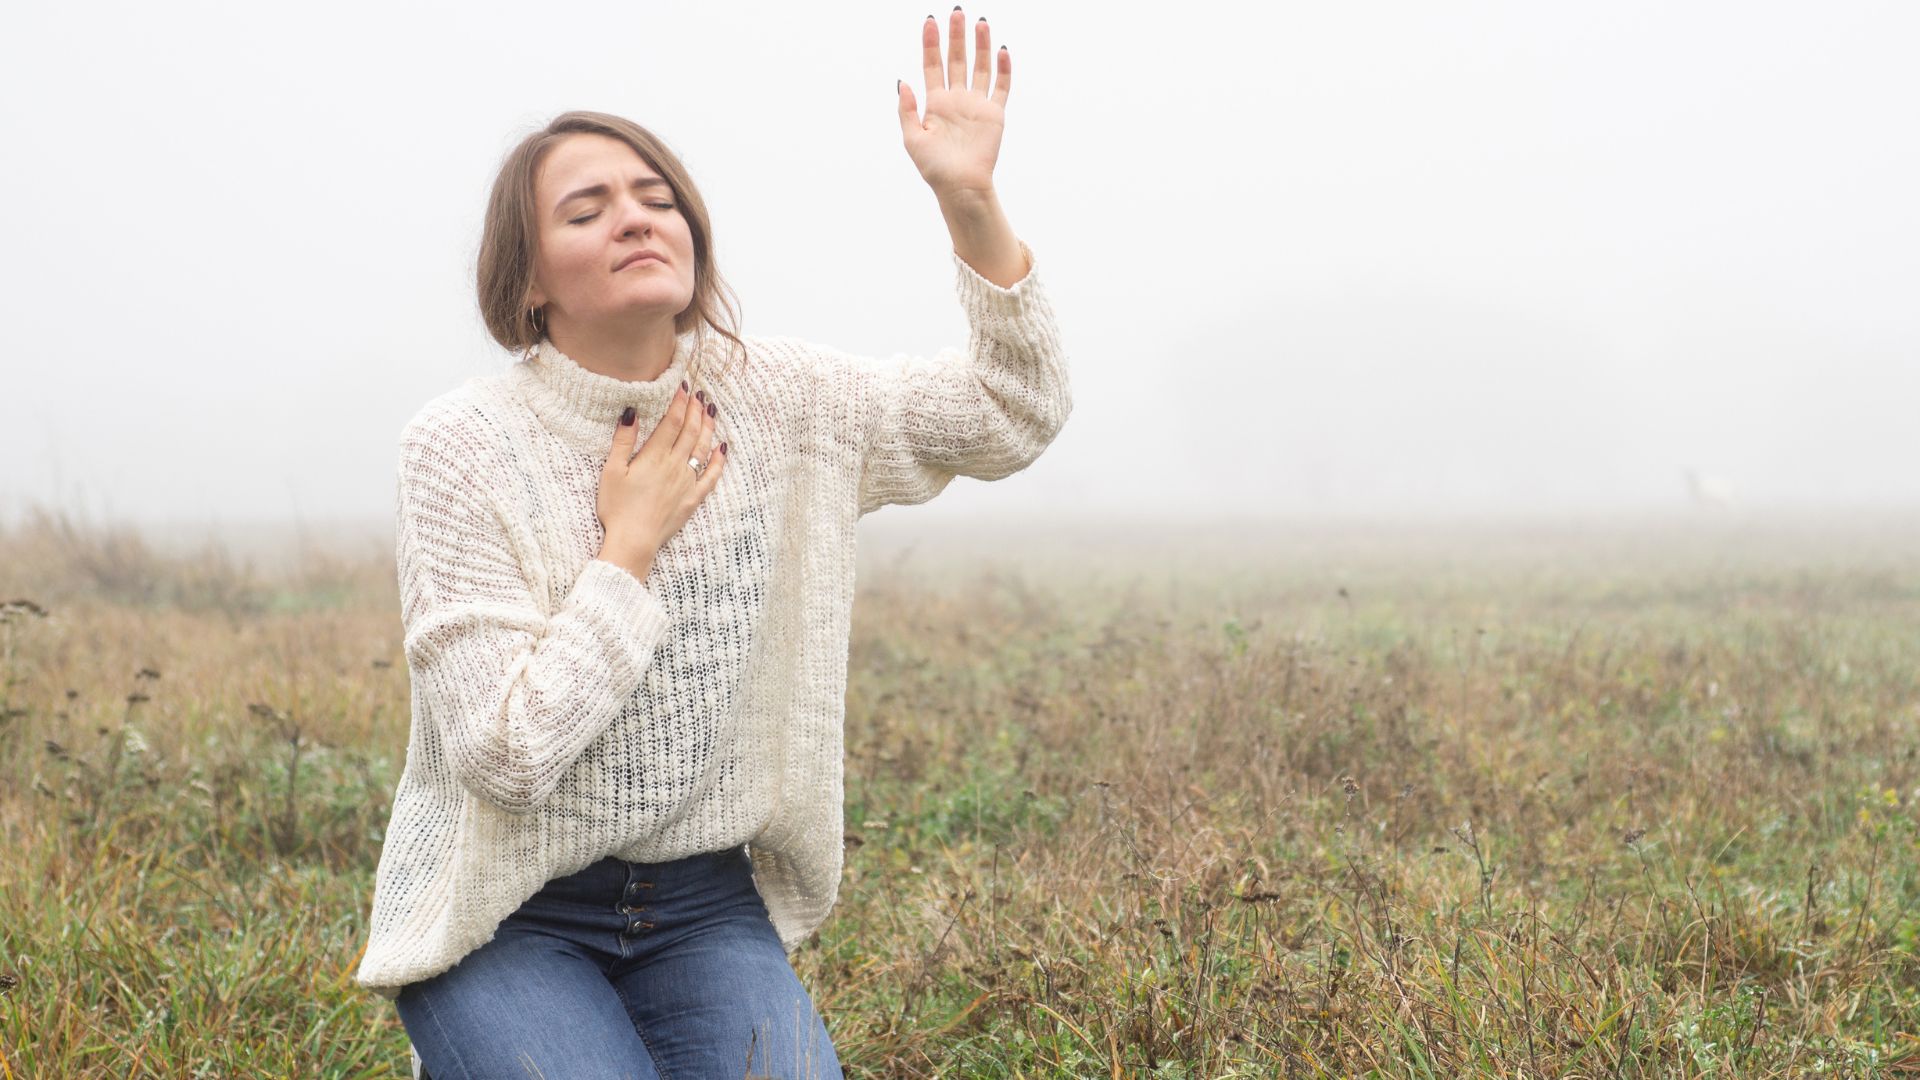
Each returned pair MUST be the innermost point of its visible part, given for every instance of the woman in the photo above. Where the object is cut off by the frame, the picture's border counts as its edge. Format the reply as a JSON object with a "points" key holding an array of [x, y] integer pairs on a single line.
{"points": [[626, 569]]}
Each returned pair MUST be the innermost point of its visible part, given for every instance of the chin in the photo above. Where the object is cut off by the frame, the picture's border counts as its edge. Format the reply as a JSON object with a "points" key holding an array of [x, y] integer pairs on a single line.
{"points": [[650, 306]]}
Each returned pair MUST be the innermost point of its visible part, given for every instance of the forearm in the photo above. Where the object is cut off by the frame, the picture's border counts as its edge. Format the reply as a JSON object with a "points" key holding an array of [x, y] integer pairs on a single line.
{"points": [[518, 695], [984, 413], [982, 236]]}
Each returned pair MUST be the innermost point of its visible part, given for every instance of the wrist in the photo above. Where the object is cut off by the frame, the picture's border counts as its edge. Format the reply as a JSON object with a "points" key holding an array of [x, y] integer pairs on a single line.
{"points": [[635, 559], [968, 205], [982, 236]]}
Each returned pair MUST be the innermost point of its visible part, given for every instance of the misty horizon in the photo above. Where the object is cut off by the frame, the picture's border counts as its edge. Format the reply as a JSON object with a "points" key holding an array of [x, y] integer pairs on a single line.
{"points": [[1395, 261]]}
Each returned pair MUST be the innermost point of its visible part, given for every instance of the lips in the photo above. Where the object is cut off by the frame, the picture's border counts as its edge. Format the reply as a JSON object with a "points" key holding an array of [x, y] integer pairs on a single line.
{"points": [[638, 256]]}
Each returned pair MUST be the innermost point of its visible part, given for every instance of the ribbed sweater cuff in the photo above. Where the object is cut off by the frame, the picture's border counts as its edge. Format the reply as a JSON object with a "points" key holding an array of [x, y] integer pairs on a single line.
{"points": [[1017, 304], [627, 604]]}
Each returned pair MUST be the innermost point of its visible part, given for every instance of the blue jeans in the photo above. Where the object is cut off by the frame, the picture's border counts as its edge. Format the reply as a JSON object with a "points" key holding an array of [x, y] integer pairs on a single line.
{"points": [[630, 970]]}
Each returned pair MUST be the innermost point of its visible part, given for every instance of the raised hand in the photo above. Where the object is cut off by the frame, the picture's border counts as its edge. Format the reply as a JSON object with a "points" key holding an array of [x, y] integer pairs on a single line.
{"points": [[957, 142]]}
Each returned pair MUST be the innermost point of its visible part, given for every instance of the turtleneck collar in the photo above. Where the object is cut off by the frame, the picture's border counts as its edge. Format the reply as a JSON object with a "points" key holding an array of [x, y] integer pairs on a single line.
{"points": [[583, 407]]}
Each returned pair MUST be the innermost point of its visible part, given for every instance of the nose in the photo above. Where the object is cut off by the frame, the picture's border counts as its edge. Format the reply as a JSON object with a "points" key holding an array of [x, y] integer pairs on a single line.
{"points": [[635, 219]]}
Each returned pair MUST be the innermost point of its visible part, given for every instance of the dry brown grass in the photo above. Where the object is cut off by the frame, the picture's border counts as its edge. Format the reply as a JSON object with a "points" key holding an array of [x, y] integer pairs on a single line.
{"points": [[1492, 803]]}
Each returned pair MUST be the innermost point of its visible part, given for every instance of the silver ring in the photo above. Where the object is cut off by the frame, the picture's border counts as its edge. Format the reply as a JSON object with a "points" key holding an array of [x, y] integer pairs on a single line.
{"points": [[696, 465]]}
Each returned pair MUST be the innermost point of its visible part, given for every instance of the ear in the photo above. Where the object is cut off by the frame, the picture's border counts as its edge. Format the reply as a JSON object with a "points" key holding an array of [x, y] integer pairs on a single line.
{"points": [[536, 296]]}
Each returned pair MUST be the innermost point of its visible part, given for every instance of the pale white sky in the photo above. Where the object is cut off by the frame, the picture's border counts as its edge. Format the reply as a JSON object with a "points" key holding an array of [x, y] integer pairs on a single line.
{"points": [[1309, 258]]}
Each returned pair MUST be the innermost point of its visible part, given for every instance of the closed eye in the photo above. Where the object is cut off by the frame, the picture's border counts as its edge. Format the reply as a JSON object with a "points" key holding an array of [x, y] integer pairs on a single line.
{"points": [[584, 218]]}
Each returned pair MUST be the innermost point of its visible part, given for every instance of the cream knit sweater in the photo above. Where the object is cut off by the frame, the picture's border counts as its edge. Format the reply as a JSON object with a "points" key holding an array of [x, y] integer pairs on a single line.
{"points": [[564, 711]]}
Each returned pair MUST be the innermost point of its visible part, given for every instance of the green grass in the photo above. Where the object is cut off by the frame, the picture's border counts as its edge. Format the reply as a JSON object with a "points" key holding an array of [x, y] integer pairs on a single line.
{"points": [[1638, 805]]}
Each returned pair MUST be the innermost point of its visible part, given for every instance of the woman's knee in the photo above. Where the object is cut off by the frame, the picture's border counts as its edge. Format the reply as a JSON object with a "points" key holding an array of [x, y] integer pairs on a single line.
{"points": [[491, 1016]]}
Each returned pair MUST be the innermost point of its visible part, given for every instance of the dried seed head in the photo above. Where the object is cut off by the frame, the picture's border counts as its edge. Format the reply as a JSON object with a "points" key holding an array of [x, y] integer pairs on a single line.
{"points": [[21, 608]]}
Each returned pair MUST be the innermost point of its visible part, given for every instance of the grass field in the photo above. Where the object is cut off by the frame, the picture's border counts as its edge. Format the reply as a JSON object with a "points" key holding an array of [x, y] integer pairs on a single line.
{"points": [[1635, 801]]}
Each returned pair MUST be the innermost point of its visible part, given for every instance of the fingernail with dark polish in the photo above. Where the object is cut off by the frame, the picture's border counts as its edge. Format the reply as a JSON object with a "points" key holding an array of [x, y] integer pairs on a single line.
{"points": [[723, 448], [626, 418], [710, 409], [683, 386], [700, 395]]}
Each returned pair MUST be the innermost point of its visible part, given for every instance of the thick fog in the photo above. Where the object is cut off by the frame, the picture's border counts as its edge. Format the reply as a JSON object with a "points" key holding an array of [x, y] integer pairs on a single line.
{"points": [[1308, 258]]}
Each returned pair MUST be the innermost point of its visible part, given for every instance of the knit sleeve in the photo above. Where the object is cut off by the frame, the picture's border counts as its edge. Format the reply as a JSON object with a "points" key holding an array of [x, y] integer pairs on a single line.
{"points": [[514, 693], [986, 412]]}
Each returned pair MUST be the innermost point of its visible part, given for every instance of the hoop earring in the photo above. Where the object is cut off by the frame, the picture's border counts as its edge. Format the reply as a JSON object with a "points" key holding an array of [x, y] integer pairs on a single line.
{"points": [[537, 322]]}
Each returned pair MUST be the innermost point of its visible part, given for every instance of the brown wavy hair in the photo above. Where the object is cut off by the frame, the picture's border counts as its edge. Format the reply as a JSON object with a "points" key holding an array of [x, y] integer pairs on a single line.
{"points": [[510, 238]]}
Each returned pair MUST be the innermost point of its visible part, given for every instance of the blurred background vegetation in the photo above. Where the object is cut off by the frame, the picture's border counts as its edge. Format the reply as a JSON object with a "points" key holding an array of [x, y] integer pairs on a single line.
{"points": [[1625, 798]]}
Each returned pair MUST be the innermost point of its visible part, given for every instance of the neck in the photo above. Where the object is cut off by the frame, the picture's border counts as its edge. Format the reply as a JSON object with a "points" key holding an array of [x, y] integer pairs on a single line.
{"points": [[633, 352]]}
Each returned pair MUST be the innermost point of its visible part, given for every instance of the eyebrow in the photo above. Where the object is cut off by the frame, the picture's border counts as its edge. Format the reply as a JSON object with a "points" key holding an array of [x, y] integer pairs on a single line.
{"points": [[599, 190]]}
